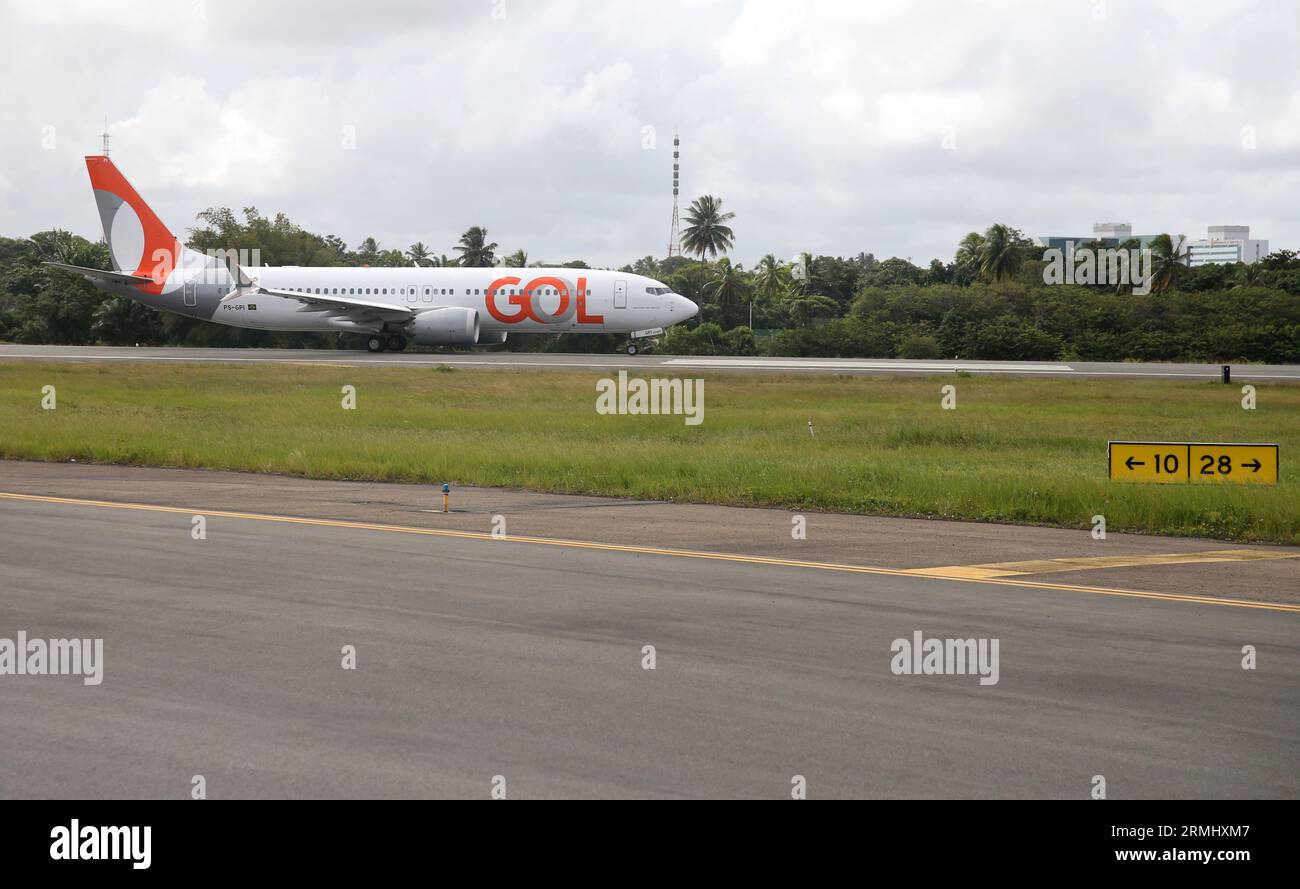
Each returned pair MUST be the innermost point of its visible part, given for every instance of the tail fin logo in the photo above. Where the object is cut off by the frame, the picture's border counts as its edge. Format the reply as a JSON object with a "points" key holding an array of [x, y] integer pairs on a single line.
{"points": [[138, 242]]}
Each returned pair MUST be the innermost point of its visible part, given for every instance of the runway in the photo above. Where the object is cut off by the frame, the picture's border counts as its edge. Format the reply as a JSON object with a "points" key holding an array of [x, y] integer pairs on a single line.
{"points": [[645, 363], [480, 657]]}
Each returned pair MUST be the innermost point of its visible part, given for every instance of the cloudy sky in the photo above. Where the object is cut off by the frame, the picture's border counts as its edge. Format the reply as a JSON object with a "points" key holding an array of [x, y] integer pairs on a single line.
{"points": [[837, 127]]}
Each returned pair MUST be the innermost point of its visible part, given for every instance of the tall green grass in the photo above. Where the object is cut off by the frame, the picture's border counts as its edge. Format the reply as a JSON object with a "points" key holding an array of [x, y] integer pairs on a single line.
{"points": [[1014, 450]]}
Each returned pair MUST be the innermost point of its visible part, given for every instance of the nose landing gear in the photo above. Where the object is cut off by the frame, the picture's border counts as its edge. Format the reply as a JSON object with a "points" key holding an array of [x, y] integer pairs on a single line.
{"points": [[632, 348]]}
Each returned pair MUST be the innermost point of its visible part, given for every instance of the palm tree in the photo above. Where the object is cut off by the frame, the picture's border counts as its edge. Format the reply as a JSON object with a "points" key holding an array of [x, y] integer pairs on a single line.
{"points": [[689, 282], [1168, 262], [368, 252], [706, 231], [62, 246], [1248, 276], [999, 255], [771, 276], [55, 246], [114, 322], [517, 260], [726, 288], [418, 253], [474, 249], [968, 251], [804, 307]]}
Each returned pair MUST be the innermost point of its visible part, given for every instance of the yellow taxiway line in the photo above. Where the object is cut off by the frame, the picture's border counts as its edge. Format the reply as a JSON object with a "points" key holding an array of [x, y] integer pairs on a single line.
{"points": [[664, 551], [1085, 563]]}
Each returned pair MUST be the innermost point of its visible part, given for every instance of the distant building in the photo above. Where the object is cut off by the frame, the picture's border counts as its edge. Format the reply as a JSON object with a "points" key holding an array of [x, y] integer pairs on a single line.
{"points": [[1119, 230], [1226, 243], [1108, 234]]}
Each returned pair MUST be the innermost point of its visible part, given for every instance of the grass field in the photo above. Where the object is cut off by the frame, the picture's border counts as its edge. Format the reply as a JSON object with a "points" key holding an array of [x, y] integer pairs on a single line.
{"points": [[1014, 450]]}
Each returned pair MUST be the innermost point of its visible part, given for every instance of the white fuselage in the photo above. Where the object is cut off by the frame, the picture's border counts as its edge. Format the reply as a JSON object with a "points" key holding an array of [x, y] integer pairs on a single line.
{"points": [[528, 300]]}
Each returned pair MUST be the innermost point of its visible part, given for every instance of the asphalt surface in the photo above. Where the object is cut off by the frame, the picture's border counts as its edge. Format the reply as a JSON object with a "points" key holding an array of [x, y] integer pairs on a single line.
{"points": [[894, 543], [852, 366], [478, 658]]}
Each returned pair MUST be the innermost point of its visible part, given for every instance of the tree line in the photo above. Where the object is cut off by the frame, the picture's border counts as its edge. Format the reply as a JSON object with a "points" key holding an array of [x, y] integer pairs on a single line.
{"points": [[989, 301]]}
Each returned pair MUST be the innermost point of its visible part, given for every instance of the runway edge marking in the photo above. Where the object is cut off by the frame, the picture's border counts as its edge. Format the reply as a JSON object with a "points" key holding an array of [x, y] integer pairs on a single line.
{"points": [[657, 551]]}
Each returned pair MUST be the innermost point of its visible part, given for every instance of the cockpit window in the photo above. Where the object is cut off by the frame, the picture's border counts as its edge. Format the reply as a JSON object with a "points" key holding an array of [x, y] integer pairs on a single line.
{"points": [[658, 291]]}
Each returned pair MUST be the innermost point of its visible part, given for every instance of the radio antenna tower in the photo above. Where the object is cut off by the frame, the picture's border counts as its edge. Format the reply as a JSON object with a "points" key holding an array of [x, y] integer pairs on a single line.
{"points": [[674, 236], [105, 135]]}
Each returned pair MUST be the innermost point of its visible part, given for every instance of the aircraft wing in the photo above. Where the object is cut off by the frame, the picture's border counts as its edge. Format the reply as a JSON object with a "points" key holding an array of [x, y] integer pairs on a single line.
{"points": [[341, 304], [316, 302], [101, 274]]}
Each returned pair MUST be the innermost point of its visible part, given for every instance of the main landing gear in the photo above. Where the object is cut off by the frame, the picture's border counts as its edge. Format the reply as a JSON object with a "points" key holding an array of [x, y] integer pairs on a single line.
{"points": [[378, 342], [633, 348]]}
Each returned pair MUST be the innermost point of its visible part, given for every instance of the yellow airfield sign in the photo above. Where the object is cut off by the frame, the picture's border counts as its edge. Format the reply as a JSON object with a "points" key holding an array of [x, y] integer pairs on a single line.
{"points": [[1181, 463], [1157, 462], [1243, 463]]}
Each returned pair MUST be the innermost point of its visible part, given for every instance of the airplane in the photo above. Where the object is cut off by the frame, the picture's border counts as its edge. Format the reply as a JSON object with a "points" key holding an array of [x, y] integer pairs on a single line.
{"points": [[456, 306]]}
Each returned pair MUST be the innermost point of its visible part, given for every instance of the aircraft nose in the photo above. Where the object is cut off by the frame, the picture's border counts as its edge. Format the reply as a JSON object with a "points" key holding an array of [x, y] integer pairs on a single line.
{"points": [[686, 307]]}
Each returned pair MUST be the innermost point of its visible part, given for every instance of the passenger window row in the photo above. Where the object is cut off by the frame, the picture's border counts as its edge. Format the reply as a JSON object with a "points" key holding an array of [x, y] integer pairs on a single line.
{"points": [[412, 292]]}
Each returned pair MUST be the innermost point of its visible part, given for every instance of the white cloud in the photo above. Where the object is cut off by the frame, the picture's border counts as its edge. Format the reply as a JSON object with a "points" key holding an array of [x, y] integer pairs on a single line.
{"points": [[820, 124]]}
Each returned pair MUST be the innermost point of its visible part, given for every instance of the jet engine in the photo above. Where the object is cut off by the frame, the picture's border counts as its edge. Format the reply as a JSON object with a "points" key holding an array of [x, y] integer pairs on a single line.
{"points": [[491, 337], [451, 326]]}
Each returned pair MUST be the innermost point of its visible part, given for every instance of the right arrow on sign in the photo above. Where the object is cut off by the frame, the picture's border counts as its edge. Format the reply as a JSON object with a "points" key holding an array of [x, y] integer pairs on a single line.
{"points": [[1253, 465]]}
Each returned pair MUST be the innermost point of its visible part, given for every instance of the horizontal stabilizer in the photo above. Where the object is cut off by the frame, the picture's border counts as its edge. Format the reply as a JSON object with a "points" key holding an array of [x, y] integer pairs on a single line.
{"points": [[102, 274]]}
